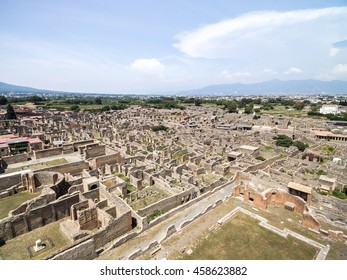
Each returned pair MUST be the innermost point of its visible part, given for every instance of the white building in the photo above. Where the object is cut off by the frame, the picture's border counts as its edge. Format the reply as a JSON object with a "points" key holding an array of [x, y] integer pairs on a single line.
{"points": [[329, 109]]}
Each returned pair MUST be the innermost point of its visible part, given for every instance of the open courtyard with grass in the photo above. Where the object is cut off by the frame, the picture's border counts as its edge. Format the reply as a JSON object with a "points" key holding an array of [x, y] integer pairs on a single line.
{"points": [[12, 202], [242, 238], [21, 247]]}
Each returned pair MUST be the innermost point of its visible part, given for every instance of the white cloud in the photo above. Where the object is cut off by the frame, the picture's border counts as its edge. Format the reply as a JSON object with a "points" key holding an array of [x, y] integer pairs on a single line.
{"points": [[333, 51], [272, 39], [292, 70], [340, 69], [270, 71], [150, 66]]}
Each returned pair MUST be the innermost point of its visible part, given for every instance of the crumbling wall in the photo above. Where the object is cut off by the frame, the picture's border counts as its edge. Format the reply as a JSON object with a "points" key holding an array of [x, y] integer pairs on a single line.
{"points": [[94, 151], [11, 227], [262, 165], [279, 198], [48, 153], [82, 251], [10, 180], [114, 229], [72, 168], [168, 203], [15, 158], [107, 159], [81, 143]]}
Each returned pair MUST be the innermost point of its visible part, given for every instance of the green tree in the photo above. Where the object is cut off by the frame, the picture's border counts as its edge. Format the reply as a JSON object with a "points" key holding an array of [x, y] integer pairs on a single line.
{"points": [[283, 140], [197, 102], [249, 109], [3, 100], [98, 101], [105, 108], [300, 145], [231, 106], [75, 108], [159, 128], [35, 99], [10, 113], [299, 106]]}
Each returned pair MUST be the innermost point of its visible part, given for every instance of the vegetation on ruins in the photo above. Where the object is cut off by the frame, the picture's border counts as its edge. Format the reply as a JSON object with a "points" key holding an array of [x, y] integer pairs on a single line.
{"points": [[75, 108], [339, 194], [260, 158], [10, 113], [3, 100], [154, 214], [159, 128], [285, 141], [328, 149], [12, 202]]}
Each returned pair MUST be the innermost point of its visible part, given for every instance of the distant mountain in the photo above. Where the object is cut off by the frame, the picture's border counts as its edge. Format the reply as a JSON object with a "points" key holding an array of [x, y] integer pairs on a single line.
{"points": [[268, 87], [13, 88], [273, 87]]}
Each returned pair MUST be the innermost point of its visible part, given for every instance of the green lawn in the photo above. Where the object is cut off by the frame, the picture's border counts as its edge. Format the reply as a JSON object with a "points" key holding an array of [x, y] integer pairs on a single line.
{"points": [[12, 202], [242, 238], [16, 249]]}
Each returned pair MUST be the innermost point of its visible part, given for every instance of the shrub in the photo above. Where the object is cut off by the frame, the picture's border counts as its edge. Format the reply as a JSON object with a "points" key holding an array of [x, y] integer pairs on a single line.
{"points": [[260, 158], [154, 214], [337, 193], [159, 128]]}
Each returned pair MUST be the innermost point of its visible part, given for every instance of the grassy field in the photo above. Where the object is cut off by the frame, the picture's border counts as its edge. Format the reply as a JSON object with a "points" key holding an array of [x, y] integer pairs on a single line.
{"points": [[12, 202], [17, 248], [37, 165], [233, 242], [282, 110]]}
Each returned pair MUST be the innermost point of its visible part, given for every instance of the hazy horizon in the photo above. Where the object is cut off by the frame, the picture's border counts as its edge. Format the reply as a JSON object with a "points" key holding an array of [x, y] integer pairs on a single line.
{"points": [[146, 46]]}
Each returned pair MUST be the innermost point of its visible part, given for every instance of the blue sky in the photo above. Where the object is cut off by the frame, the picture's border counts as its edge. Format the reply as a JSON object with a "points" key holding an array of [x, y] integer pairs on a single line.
{"points": [[146, 46]]}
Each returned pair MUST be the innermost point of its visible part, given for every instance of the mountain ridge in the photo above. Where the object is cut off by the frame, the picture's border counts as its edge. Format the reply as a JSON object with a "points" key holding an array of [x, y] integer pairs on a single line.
{"points": [[273, 87], [309, 86]]}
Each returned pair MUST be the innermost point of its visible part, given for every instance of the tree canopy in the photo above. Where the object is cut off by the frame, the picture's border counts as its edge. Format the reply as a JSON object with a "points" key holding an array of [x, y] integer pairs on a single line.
{"points": [[10, 113]]}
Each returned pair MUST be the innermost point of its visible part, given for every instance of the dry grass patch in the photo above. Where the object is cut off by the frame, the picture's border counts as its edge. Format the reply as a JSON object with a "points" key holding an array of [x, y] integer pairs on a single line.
{"points": [[242, 238], [12, 202], [17, 248]]}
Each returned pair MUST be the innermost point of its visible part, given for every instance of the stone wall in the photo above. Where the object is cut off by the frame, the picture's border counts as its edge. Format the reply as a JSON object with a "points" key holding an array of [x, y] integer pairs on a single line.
{"points": [[68, 148], [11, 227], [9, 180], [48, 153], [94, 151], [82, 251], [114, 229], [169, 203], [15, 158], [81, 143], [262, 165], [72, 168], [108, 159]]}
